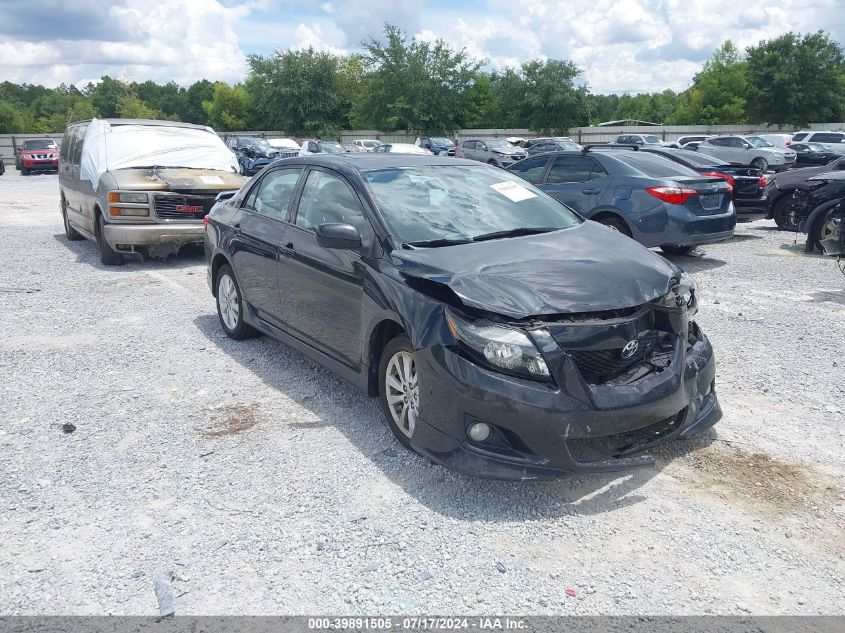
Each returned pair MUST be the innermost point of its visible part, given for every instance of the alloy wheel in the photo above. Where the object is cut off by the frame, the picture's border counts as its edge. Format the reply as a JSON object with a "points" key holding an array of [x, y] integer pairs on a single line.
{"points": [[230, 307], [402, 391]]}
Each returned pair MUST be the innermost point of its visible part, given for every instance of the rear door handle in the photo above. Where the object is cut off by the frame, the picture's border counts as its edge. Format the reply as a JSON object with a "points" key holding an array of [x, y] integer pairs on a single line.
{"points": [[591, 191]]}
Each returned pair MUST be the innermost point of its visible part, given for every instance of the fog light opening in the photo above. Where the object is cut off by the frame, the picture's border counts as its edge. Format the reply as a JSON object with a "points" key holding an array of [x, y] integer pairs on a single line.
{"points": [[479, 432]]}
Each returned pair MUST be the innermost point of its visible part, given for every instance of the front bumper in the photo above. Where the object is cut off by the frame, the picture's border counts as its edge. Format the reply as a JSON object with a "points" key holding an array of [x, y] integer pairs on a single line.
{"points": [[120, 236], [40, 164], [541, 431]]}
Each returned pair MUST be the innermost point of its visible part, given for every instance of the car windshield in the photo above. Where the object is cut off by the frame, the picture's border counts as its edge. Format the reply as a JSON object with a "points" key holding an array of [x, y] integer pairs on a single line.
{"points": [[39, 144], [439, 140], [258, 142], [429, 203], [699, 160], [655, 166], [498, 143], [330, 148], [651, 138], [756, 141]]}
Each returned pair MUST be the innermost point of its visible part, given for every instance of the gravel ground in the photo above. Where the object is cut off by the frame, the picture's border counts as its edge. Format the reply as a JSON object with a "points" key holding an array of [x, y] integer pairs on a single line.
{"points": [[262, 484]]}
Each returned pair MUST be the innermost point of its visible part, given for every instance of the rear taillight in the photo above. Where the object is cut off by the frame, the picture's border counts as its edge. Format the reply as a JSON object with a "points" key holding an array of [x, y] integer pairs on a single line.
{"points": [[788, 143], [763, 181], [205, 221], [718, 174], [672, 195]]}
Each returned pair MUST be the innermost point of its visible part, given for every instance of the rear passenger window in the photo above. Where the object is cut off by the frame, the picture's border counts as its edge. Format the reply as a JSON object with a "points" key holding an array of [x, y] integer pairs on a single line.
{"points": [[570, 169], [271, 198], [828, 137], [531, 169]]}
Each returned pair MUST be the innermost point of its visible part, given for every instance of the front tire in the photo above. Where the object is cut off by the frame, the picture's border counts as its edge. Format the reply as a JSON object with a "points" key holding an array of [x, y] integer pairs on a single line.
{"points": [[230, 307], [671, 249], [616, 224], [24, 171], [760, 163], [823, 229], [780, 214], [399, 389], [108, 256]]}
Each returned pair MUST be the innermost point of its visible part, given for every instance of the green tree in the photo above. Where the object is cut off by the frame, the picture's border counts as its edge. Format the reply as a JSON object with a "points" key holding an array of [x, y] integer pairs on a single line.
{"points": [[719, 92], [230, 108], [509, 95], [82, 110], [414, 85], [299, 91], [796, 79], [131, 107], [106, 94], [11, 121], [479, 103], [552, 102], [192, 109]]}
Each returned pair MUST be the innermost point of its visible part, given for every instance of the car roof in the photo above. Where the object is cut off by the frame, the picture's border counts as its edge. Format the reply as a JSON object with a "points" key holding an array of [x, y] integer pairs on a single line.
{"points": [[153, 122], [367, 161]]}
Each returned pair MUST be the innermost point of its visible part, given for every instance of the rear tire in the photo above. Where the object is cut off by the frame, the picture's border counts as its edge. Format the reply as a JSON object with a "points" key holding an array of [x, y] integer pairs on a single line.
{"points": [[671, 249], [108, 256], [70, 232], [616, 224], [399, 388], [230, 306], [760, 163]]}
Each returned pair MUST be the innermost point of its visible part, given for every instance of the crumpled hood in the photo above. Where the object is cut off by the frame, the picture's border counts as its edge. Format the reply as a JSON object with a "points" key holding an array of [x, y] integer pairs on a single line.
{"points": [[587, 268], [175, 178]]}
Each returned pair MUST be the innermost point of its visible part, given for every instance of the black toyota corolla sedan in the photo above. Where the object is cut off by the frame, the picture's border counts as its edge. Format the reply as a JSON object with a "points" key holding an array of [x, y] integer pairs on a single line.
{"points": [[505, 336]]}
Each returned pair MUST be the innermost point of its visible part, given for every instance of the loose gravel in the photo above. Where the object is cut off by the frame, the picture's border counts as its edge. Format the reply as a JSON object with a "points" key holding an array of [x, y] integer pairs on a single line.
{"points": [[242, 478]]}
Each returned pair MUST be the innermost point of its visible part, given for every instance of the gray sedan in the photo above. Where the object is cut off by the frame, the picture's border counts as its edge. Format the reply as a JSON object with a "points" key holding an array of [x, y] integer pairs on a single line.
{"points": [[495, 151]]}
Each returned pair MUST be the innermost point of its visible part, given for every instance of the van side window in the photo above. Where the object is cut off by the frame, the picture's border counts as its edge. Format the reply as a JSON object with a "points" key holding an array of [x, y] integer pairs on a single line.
{"points": [[67, 139], [78, 138]]}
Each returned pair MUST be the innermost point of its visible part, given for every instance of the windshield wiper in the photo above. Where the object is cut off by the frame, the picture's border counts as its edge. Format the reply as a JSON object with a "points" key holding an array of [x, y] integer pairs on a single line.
{"points": [[517, 232], [441, 241]]}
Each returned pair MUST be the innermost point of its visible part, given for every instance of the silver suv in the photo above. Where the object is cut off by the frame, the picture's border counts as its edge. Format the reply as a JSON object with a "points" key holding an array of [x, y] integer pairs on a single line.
{"points": [[748, 150], [135, 185], [495, 151]]}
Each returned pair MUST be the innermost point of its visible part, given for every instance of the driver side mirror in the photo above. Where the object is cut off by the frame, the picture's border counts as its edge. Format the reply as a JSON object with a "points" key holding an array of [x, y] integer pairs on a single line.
{"points": [[335, 235]]}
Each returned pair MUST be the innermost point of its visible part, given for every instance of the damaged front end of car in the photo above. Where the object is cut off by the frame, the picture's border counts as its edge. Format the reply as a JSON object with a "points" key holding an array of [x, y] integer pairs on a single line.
{"points": [[544, 396]]}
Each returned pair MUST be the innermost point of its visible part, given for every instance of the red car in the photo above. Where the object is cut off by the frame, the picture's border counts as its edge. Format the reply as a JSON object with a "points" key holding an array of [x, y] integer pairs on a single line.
{"points": [[39, 154]]}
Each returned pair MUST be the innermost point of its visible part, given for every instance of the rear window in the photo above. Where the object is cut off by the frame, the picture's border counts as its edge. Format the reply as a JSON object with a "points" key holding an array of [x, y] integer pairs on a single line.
{"points": [[655, 166], [828, 137], [694, 158]]}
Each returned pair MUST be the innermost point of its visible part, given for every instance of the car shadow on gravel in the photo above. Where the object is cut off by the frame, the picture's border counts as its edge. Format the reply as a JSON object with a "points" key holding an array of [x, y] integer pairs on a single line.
{"points": [[432, 485], [695, 264], [86, 252]]}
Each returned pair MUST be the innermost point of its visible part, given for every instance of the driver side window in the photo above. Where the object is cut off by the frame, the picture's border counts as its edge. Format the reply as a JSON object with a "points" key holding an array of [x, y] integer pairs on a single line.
{"points": [[271, 198], [328, 199]]}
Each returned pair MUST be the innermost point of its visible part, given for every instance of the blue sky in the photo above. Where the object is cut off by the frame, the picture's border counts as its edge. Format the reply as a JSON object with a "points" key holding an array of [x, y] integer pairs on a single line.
{"points": [[621, 45]]}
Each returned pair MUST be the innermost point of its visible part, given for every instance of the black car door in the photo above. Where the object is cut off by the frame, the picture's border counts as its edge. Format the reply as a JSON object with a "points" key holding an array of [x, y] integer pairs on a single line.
{"points": [[322, 288], [577, 181], [259, 227]]}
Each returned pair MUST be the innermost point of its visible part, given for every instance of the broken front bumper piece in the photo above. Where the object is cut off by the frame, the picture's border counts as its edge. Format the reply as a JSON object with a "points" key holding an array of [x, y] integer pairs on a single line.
{"points": [[546, 431]]}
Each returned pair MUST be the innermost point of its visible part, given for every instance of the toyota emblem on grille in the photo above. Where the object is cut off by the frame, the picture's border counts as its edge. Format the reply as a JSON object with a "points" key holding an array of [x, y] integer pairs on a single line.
{"points": [[630, 348]]}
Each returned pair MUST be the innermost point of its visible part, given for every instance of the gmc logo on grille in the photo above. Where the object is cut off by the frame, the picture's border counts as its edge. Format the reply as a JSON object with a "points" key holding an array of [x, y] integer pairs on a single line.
{"points": [[189, 208]]}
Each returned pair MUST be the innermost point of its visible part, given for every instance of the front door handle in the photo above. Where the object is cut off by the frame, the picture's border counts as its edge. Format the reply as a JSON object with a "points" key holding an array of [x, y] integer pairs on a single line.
{"points": [[288, 249], [591, 191]]}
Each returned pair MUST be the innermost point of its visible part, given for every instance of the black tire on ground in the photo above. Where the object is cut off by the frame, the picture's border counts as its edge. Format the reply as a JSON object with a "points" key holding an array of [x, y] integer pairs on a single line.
{"points": [[108, 256], [780, 214], [671, 249], [760, 163], [70, 232], [822, 229], [400, 343], [24, 171], [241, 330], [616, 224]]}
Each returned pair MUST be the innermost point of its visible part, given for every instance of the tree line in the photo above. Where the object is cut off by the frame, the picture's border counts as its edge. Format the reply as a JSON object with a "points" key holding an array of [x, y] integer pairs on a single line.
{"points": [[401, 83]]}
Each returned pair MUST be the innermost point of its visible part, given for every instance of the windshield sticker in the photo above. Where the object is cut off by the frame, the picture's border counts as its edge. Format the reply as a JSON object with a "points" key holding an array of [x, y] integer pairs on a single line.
{"points": [[513, 191], [212, 180]]}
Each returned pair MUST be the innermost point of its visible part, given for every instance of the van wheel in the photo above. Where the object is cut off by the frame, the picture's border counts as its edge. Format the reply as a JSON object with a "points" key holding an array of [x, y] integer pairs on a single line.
{"points": [[70, 232], [671, 249], [108, 256], [399, 388]]}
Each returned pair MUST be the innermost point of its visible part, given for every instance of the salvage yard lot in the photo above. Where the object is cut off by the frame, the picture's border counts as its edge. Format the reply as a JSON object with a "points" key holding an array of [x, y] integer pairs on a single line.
{"points": [[267, 485]]}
